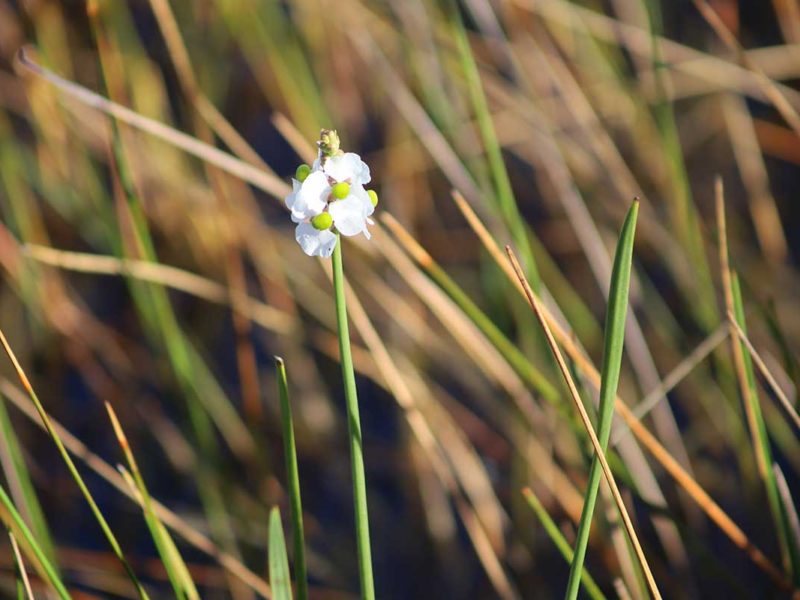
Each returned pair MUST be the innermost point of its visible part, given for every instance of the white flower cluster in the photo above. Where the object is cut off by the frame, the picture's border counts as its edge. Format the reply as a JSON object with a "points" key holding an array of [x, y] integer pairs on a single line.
{"points": [[330, 194]]}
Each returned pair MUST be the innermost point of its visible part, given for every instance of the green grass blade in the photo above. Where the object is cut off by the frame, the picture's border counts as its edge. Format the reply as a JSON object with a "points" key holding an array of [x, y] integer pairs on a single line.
{"points": [[502, 184], [761, 445], [614, 338], [98, 515], [560, 541], [14, 521], [279, 578], [354, 428], [17, 472], [177, 572], [293, 482], [685, 217]]}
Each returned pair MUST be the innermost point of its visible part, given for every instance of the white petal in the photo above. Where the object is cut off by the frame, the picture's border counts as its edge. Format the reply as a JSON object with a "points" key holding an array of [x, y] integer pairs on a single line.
{"points": [[315, 242], [311, 198], [363, 197], [348, 215], [347, 167], [290, 199]]}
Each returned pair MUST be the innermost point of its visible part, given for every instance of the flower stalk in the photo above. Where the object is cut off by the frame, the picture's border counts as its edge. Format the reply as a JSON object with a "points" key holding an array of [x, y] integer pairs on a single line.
{"points": [[354, 428]]}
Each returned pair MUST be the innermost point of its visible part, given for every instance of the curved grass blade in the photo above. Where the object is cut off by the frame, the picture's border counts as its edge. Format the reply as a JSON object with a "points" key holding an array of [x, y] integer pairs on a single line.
{"points": [[101, 520], [609, 374], [560, 541], [279, 578], [15, 523], [177, 572], [293, 482]]}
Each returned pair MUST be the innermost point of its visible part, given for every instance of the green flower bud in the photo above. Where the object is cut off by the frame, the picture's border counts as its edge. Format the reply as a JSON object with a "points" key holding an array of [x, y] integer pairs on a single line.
{"points": [[373, 195], [302, 172], [341, 190], [322, 221]]}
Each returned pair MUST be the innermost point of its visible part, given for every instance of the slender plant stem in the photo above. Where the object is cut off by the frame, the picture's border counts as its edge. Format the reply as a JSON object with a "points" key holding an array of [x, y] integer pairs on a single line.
{"points": [[293, 481], [354, 426]]}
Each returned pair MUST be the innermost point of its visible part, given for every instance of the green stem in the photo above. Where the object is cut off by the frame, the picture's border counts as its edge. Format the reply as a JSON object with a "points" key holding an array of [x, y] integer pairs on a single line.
{"points": [[354, 426]]}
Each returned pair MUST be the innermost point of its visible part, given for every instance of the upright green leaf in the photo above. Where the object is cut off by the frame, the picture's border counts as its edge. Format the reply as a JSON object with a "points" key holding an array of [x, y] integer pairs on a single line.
{"points": [[293, 482], [614, 339], [279, 578]]}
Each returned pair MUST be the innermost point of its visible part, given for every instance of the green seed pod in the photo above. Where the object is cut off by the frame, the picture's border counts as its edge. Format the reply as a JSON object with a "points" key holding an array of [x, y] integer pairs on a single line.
{"points": [[341, 190], [373, 196], [322, 221], [302, 172]]}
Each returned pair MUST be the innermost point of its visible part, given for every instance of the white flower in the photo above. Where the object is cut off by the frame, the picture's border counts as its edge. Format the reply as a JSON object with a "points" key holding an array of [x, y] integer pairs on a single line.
{"points": [[330, 194]]}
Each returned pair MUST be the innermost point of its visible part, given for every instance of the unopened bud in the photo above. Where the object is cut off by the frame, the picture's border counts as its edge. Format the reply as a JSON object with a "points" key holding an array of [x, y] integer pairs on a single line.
{"points": [[302, 172], [329, 143], [341, 190], [322, 221]]}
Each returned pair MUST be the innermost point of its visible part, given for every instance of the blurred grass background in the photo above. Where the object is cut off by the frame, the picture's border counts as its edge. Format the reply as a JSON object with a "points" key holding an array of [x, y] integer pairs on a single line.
{"points": [[137, 274]]}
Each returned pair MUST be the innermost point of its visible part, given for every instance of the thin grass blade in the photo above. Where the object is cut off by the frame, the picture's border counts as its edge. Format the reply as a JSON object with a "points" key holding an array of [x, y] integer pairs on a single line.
{"points": [[502, 184], [760, 437], [176, 568], [17, 472], [98, 515], [560, 541], [23, 582], [15, 523], [293, 482]]}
